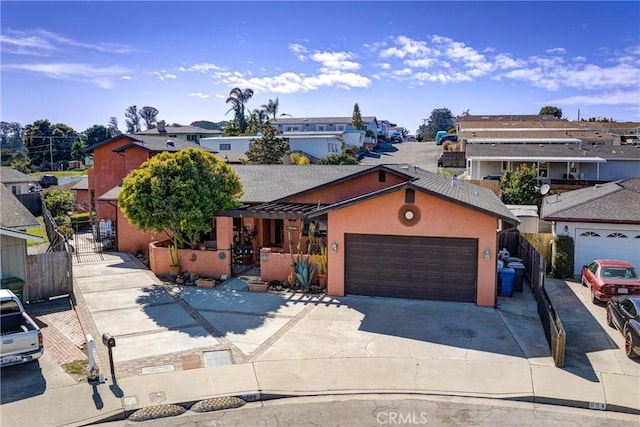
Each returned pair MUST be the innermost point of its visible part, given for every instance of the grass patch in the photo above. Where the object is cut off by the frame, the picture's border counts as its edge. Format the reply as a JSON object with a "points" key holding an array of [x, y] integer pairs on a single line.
{"points": [[77, 367], [37, 231], [60, 174]]}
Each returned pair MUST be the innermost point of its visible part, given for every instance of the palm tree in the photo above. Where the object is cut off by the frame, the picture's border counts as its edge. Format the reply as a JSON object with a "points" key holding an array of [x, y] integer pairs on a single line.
{"points": [[272, 107], [238, 98], [259, 117]]}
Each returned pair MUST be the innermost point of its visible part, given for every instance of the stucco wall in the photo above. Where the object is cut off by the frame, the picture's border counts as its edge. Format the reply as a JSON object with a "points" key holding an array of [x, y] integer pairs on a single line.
{"points": [[439, 219], [13, 257], [357, 186]]}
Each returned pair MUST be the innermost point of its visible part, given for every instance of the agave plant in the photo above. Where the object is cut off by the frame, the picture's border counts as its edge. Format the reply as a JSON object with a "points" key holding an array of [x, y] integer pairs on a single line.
{"points": [[304, 274]]}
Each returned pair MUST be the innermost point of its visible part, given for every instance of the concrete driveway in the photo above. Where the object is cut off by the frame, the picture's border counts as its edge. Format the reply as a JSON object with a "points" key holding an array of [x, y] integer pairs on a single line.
{"points": [[160, 328]]}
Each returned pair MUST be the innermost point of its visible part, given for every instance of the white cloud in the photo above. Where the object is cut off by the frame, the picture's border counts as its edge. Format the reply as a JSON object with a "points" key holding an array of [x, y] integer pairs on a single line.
{"points": [[607, 98], [335, 61], [164, 75], [204, 68], [420, 63], [556, 50], [502, 62], [100, 76], [126, 78], [406, 47], [45, 43], [199, 95]]}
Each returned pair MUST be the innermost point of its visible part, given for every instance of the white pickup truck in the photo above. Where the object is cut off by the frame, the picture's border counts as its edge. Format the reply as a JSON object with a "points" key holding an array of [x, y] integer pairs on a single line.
{"points": [[21, 337]]}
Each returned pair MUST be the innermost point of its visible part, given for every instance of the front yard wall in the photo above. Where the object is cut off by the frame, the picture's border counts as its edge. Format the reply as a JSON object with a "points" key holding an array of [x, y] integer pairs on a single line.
{"points": [[440, 218], [205, 263]]}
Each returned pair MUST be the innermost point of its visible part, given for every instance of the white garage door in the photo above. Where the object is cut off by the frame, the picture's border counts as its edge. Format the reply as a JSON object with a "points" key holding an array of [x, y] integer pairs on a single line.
{"points": [[606, 244]]}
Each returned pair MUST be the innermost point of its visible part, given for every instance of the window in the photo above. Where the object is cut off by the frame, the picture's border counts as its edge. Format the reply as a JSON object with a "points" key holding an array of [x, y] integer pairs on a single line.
{"points": [[382, 176], [191, 138], [617, 235], [225, 147], [593, 267], [409, 195], [15, 189], [590, 234], [340, 127], [321, 128]]}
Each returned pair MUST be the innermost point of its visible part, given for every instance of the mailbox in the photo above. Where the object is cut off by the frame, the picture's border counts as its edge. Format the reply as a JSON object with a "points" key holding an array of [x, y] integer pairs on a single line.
{"points": [[108, 340]]}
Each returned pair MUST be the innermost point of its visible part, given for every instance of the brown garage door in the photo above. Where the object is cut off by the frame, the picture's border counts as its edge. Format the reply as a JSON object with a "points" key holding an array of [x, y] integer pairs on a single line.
{"points": [[433, 268]]}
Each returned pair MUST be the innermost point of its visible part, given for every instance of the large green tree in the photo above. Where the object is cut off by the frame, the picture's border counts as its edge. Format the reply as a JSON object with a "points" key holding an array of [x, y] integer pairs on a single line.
{"points": [[238, 99], [269, 148], [206, 124], [356, 118], [47, 142], [521, 187], [550, 110], [440, 119], [179, 193], [149, 115], [133, 119], [11, 135], [272, 107], [94, 135]]}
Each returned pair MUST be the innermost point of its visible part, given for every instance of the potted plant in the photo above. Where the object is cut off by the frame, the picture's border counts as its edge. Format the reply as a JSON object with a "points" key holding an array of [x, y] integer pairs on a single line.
{"points": [[257, 285], [321, 262], [174, 258], [205, 282]]}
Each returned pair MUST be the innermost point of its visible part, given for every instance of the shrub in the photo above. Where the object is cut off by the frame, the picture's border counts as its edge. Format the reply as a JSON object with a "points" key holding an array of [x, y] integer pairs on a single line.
{"points": [[563, 251], [79, 218]]}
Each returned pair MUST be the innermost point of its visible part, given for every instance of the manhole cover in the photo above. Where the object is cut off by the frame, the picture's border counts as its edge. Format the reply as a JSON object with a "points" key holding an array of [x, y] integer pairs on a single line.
{"points": [[217, 358]]}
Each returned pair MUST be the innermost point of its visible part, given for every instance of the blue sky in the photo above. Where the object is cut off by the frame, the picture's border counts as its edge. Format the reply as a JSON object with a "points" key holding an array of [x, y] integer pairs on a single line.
{"points": [[80, 63]]}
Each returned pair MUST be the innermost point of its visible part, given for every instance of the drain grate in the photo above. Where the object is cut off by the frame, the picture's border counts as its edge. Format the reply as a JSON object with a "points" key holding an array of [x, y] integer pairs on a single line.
{"points": [[159, 411], [217, 404]]}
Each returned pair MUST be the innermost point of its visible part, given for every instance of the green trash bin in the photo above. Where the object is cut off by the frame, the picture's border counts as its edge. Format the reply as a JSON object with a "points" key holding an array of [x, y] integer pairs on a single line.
{"points": [[15, 285]]}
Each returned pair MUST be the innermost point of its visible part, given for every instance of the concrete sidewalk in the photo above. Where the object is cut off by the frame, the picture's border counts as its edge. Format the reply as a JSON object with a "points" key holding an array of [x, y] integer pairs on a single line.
{"points": [[517, 381], [334, 349]]}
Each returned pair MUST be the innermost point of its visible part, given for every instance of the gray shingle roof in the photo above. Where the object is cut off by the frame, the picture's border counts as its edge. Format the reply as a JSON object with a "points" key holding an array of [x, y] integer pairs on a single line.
{"points": [[13, 214], [463, 193], [617, 201], [178, 130], [159, 143], [9, 175], [266, 183], [604, 151], [272, 183], [319, 120], [82, 184]]}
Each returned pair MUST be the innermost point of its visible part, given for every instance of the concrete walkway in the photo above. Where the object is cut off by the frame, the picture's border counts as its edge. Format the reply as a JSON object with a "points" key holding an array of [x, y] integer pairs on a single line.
{"points": [[292, 346]]}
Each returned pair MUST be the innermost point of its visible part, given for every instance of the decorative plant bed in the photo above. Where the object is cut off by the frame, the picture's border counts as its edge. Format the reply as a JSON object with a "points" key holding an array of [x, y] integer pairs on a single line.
{"points": [[258, 286], [205, 283]]}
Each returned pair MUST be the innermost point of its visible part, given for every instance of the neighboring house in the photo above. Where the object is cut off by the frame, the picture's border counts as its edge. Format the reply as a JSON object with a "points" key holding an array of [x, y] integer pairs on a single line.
{"points": [[15, 180], [603, 220], [113, 159], [384, 128], [315, 145], [185, 133], [81, 191], [15, 219], [560, 151], [323, 124]]}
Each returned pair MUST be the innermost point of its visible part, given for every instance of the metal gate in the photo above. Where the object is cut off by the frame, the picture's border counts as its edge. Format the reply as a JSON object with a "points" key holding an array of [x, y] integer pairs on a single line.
{"points": [[93, 237], [242, 258]]}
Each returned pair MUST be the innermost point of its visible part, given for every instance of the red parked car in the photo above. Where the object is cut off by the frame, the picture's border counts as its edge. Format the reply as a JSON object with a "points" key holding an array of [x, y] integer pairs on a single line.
{"points": [[608, 278]]}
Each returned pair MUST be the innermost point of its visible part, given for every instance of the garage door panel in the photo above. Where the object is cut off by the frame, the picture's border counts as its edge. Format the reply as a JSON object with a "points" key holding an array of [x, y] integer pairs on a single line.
{"points": [[417, 267], [611, 244]]}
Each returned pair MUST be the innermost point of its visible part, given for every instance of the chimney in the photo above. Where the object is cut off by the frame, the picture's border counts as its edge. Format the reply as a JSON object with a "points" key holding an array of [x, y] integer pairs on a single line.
{"points": [[161, 127]]}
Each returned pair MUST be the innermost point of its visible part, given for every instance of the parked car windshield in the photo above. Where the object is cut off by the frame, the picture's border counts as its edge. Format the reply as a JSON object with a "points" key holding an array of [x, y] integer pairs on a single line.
{"points": [[619, 273]]}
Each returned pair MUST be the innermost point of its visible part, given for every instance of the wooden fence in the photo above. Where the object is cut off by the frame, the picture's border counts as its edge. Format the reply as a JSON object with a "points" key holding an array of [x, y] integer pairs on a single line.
{"points": [[48, 275], [542, 243], [31, 201], [51, 274], [536, 271], [454, 159], [492, 185]]}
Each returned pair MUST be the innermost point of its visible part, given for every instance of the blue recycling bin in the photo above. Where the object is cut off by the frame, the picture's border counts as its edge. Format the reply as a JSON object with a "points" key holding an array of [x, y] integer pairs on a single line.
{"points": [[507, 275]]}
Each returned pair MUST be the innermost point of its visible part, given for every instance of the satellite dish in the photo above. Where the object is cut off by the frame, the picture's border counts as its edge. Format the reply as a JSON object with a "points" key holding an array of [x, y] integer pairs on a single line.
{"points": [[544, 189]]}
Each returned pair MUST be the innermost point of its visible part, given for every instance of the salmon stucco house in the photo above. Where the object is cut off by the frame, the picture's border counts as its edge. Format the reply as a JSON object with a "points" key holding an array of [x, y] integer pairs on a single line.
{"points": [[389, 230]]}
